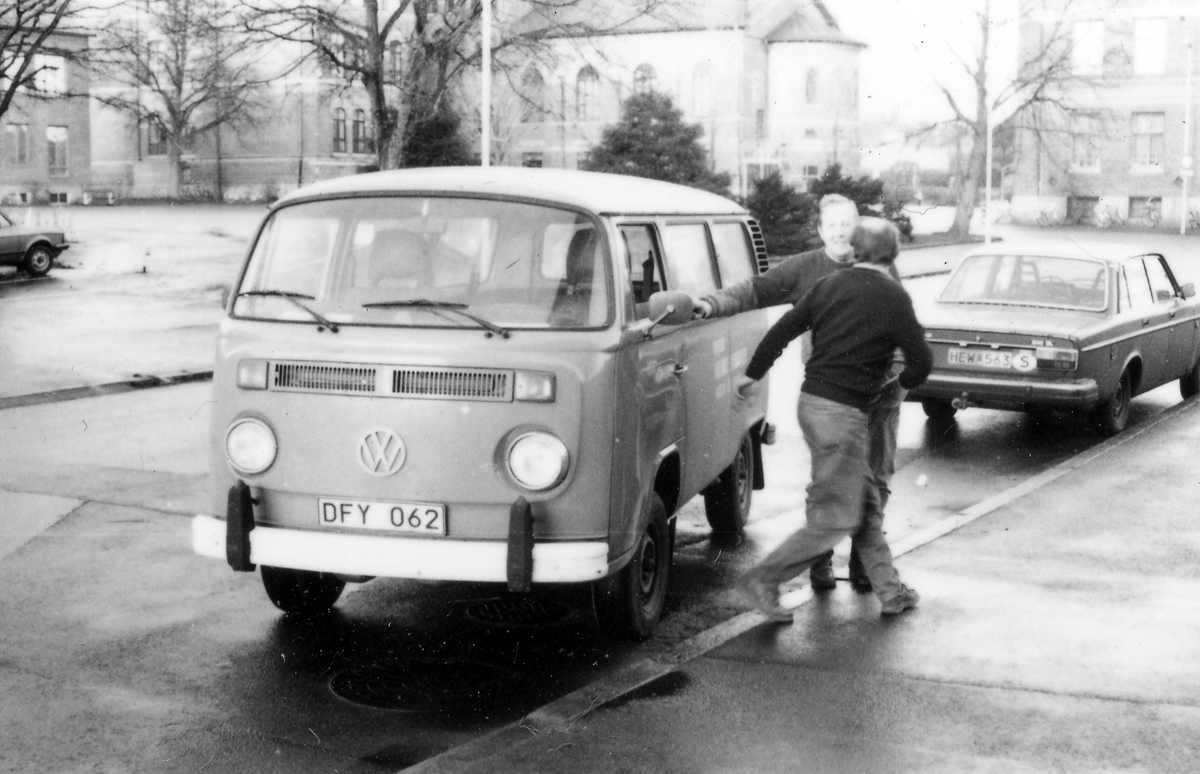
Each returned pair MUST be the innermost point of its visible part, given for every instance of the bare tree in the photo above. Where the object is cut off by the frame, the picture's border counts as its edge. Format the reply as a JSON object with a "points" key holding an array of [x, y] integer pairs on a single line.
{"points": [[1044, 79], [25, 28], [411, 57], [182, 70]]}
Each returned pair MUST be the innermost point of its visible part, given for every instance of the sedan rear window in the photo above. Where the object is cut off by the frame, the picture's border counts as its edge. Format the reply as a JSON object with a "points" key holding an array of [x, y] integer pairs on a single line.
{"points": [[1029, 280]]}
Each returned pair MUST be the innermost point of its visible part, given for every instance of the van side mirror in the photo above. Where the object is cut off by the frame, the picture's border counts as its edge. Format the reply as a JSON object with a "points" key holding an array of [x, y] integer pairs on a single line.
{"points": [[667, 306], [1188, 290]]}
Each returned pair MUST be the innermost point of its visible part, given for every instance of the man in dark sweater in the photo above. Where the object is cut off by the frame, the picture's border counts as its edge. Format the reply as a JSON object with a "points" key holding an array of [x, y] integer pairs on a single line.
{"points": [[786, 283], [858, 318]]}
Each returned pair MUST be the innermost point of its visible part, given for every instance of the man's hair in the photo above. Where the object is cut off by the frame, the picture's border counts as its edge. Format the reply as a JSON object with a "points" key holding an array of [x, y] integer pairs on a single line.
{"points": [[875, 240], [833, 200]]}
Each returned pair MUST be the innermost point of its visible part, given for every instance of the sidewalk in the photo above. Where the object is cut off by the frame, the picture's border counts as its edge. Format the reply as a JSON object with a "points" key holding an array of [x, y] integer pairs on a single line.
{"points": [[1058, 631]]}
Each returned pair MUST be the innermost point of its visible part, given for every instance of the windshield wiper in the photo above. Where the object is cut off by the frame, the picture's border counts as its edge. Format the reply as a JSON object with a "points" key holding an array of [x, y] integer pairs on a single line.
{"points": [[322, 321], [425, 303]]}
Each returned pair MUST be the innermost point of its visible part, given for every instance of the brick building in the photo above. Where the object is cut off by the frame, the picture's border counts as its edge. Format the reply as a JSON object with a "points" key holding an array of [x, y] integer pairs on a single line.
{"points": [[774, 84], [1120, 151], [45, 155]]}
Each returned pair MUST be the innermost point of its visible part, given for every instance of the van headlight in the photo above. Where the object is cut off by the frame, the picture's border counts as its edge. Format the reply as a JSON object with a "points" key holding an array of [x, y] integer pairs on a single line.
{"points": [[537, 460], [250, 446]]}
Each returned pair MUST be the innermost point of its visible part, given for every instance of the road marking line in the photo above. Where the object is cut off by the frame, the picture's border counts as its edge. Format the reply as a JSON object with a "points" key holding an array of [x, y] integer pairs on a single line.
{"points": [[559, 715]]}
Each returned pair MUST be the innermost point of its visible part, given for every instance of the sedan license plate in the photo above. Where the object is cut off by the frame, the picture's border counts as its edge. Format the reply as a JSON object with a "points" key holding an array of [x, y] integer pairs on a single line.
{"points": [[1021, 360], [416, 518]]}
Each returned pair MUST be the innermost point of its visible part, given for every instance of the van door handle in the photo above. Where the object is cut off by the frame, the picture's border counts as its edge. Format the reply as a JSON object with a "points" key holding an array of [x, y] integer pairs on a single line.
{"points": [[680, 369]]}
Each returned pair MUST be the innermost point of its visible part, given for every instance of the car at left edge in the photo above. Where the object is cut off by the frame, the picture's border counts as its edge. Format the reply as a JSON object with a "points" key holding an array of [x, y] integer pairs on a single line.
{"points": [[32, 249]]}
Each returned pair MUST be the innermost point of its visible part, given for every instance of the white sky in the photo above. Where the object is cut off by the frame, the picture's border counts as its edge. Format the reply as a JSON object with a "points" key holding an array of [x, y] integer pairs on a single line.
{"points": [[909, 41]]}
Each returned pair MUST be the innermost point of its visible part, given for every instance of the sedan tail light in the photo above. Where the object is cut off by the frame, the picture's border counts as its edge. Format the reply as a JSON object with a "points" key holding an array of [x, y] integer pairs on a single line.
{"points": [[1057, 359]]}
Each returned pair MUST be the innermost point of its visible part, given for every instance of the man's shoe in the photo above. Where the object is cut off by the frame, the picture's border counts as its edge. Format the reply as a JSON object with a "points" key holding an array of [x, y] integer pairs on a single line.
{"points": [[765, 597], [821, 576], [905, 599]]}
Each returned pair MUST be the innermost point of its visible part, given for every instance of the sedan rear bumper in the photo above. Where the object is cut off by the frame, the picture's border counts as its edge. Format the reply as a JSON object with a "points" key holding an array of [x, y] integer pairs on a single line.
{"points": [[1009, 393]]}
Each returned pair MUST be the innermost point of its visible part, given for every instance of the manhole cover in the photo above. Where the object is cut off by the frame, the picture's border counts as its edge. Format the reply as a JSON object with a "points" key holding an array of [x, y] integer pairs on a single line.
{"points": [[424, 684], [520, 611]]}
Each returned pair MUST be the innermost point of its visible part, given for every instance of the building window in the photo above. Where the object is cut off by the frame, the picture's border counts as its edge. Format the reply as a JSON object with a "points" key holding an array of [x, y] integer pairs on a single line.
{"points": [[702, 90], [18, 144], [531, 160], [809, 173], [56, 150], [760, 124], [534, 97], [58, 197], [810, 86], [1085, 142], [1087, 47], [1148, 140], [756, 171], [587, 87], [1150, 47], [156, 144], [643, 79], [361, 138], [339, 131], [395, 60], [51, 77]]}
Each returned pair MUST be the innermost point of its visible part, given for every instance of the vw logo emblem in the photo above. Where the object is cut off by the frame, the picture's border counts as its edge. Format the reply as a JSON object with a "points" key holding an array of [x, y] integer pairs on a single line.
{"points": [[381, 452]]}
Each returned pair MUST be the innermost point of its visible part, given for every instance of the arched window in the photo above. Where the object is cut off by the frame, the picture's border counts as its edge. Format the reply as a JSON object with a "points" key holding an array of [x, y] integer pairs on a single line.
{"points": [[533, 97], [810, 86], [702, 90], [359, 137], [339, 131], [587, 87], [643, 79]]}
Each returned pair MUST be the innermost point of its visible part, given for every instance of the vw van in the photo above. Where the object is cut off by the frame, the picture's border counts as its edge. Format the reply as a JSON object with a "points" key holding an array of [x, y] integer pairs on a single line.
{"points": [[483, 375]]}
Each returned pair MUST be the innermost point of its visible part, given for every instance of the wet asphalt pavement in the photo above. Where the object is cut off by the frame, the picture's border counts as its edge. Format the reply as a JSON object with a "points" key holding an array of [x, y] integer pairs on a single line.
{"points": [[1056, 632]]}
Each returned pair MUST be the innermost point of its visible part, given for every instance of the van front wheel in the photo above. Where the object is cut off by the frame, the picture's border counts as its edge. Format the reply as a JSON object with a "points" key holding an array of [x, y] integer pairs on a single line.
{"points": [[302, 592], [727, 500], [629, 603]]}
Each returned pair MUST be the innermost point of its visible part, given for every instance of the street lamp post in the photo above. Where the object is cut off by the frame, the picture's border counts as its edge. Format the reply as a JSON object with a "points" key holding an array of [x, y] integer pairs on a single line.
{"points": [[1187, 171], [485, 102]]}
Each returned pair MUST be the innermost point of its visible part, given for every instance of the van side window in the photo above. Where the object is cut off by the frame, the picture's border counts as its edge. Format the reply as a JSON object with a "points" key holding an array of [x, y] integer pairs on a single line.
{"points": [[735, 258], [689, 259], [642, 261]]}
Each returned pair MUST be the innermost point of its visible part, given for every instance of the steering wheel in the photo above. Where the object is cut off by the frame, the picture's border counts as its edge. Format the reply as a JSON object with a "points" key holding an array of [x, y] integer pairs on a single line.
{"points": [[1058, 288]]}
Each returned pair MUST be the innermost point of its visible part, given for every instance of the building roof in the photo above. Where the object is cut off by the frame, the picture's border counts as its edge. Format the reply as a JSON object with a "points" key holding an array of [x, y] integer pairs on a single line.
{"points": [[591, 191], [772, 20]]}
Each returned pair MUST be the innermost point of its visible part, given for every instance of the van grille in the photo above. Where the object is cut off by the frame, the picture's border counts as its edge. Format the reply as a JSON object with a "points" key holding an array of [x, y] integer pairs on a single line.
{"points": [[483, 384], [453, 383], [311, 377], [760, 246]]}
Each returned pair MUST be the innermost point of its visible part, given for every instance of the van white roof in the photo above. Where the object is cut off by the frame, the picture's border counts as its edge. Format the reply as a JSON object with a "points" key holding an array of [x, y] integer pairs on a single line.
{"points": [[592, 191]]}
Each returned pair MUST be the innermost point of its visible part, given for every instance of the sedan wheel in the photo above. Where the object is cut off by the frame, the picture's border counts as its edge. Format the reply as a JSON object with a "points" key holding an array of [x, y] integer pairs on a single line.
{"points": [[1113, 414], [1189, 385], [38, 261]]}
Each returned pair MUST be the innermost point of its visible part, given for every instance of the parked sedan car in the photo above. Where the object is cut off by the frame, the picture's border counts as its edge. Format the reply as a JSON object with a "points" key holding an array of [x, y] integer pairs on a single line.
{"points": [[1061, 326], [33, 249]]}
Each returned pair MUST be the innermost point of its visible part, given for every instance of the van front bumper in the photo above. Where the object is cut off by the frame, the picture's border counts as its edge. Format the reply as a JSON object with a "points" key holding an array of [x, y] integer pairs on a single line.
{"points": [[402, 557]]}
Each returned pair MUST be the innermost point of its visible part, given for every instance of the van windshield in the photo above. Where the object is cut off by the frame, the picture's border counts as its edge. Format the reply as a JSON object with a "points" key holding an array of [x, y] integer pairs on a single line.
{"points": [[428, 262]]}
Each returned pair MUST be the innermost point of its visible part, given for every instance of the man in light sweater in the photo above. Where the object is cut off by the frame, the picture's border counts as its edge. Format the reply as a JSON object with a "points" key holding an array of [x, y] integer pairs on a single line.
{"points": [[786, 283], [858, 318]]}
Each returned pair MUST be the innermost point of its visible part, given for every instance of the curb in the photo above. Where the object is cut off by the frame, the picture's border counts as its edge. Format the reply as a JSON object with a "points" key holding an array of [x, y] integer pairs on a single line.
{"points": [[137, 382], [560, 715]]}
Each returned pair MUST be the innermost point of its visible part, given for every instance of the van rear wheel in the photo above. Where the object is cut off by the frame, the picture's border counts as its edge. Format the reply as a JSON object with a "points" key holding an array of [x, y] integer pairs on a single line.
{"points": [[629, 602], [727, 500], [302, 592]]}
